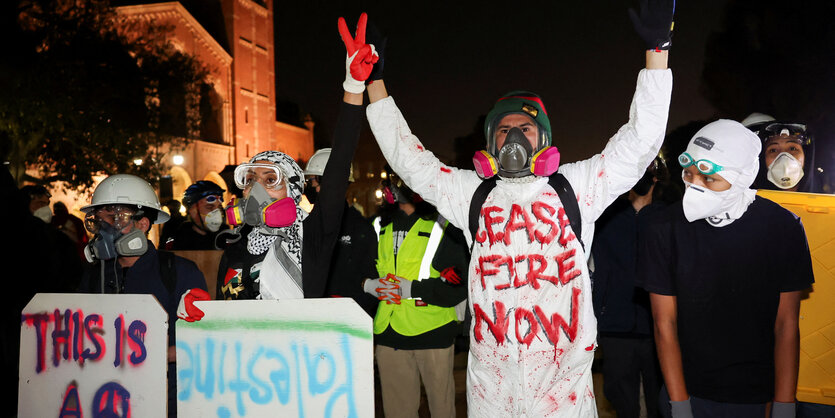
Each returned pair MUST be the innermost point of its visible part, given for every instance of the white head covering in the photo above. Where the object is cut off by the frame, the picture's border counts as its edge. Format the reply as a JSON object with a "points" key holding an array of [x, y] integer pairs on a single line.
{"points": [[734, 147]]}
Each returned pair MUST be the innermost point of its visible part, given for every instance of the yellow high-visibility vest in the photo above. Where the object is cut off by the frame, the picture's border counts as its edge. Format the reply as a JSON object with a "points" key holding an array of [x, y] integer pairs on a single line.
{"points": [[413, 262]]}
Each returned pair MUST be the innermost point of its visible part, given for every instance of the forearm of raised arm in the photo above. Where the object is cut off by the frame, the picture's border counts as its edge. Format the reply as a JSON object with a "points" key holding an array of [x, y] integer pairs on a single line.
{"points": [[352, 98], [657, 60], [376, 91]]}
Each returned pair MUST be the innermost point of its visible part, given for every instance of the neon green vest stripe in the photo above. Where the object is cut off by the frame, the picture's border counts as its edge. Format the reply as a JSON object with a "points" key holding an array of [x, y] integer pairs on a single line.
{"points": [[406, 318]]}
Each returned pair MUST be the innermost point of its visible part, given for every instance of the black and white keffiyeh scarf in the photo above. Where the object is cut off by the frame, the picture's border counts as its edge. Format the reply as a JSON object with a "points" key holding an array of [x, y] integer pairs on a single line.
{"points": [[287, 243]]}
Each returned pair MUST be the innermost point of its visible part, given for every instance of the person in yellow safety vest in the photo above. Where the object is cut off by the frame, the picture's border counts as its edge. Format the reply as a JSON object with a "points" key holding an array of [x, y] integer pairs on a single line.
{"points": [[420, 260]]}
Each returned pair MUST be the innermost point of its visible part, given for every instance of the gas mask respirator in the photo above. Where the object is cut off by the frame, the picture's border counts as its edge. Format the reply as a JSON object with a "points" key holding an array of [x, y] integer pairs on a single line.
{"points": [[393, 192], [516, 158], [643, 186], [110, 243], [262, 211], [310, 192]]}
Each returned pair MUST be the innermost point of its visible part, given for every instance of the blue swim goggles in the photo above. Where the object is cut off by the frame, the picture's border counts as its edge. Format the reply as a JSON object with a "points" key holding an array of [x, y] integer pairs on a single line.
{"points": [[705, 167]]}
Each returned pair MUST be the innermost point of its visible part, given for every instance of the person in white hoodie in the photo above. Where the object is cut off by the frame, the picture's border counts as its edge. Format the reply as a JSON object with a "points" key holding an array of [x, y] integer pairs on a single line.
{"points": [[533, 329]]}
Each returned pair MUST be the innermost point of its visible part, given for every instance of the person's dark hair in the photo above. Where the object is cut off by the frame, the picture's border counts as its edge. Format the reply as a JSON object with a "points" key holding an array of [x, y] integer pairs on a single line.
{"points": [[31, 191], [173, 205]]}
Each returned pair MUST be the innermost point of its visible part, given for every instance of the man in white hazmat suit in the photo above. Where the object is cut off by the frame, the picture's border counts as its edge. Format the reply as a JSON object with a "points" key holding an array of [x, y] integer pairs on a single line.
{"points": [[533, 330]]}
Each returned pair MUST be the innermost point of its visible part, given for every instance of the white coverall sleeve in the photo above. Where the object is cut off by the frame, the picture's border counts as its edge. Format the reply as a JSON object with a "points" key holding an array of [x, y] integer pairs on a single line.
{"points": [[599, 180], [449, 189]]}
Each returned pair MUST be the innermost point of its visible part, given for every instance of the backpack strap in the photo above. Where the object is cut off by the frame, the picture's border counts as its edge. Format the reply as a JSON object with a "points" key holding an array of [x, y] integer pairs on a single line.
{"points": [[569, 202], [167, 271], [479, 197], [557, 181]]}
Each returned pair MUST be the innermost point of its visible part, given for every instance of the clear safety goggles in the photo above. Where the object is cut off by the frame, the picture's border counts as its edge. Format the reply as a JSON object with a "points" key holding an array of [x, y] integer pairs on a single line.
{"points": [[705, 167], [118, 216], [267, 174], [783, 129]]}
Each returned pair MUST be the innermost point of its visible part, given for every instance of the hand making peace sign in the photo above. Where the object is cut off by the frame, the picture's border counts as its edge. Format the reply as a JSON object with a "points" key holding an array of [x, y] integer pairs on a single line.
{"points": [[360, 57]]}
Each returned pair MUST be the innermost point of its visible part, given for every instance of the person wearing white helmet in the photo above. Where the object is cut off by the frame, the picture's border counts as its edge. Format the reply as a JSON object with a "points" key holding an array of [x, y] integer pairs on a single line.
{"points": [[353, 256], [725, 308], [121, 213]]}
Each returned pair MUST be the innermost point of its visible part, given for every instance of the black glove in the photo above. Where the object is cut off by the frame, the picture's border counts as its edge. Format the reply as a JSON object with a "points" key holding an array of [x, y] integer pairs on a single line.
{"points": [[655, 23], [374, 37]]}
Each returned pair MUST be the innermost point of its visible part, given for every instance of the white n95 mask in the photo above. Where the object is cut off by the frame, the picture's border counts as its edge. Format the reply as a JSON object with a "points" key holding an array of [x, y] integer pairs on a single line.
{"points": [[213, 220], [785, 171], [700, 203], [44, 213]]}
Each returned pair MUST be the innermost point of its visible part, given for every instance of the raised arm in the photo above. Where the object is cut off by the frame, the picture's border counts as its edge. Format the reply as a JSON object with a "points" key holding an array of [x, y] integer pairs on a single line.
{"points": [[447, 188], [359, 60], [325, 221], [602, 178]]}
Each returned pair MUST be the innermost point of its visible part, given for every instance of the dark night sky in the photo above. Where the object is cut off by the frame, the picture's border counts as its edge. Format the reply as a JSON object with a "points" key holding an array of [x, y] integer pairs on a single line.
{"points": [[446, 62]]}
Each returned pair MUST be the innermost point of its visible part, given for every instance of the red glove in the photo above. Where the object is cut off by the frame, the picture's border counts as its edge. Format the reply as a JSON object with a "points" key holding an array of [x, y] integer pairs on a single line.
{"points": [[360, 56], [450, 276], [186, 310], [392, 293], [386, 289]]}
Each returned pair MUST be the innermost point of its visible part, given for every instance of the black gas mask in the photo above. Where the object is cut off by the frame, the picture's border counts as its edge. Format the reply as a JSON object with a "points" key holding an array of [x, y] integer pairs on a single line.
{"points": [[642, 187]]}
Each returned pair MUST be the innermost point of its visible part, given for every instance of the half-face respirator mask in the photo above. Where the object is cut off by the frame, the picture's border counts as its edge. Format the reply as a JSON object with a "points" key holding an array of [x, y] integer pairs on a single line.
{"points": [[109, 242], [393, 191], [261, 210]]}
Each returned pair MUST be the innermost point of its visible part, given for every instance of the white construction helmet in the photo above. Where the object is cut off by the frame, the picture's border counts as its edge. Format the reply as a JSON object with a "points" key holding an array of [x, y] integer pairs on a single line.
{"points": [[755, 119], [126, 189], [318, 161]]}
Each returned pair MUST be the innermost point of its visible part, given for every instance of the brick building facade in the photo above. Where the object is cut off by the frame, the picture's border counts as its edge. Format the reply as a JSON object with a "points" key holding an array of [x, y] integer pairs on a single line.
{"points": [[240, 53]]}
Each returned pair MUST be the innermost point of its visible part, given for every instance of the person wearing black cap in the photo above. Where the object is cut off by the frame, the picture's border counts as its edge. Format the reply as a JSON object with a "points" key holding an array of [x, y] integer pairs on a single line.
{"points": [[203, 201]]}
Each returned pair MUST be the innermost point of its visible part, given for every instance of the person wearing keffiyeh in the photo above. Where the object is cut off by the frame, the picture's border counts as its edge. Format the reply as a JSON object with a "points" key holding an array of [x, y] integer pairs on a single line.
{"points": [[292, 261]]}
